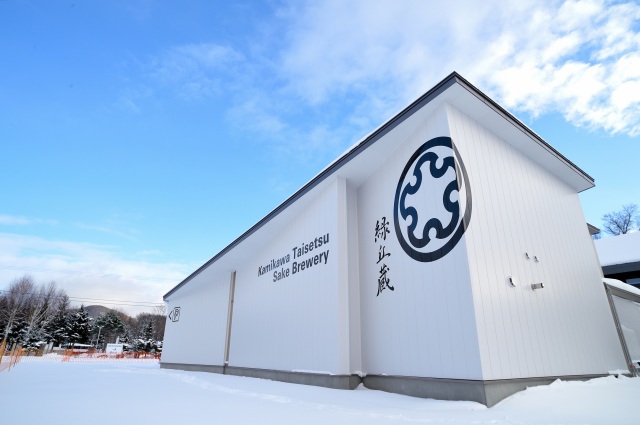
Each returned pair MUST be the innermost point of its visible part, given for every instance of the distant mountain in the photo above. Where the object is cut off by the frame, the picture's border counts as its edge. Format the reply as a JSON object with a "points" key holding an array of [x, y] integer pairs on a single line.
{"points": [[96, 310]]}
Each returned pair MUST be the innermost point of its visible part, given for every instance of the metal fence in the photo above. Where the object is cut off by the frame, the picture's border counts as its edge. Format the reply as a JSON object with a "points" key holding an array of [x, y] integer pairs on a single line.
{"points": [[10, 358]]}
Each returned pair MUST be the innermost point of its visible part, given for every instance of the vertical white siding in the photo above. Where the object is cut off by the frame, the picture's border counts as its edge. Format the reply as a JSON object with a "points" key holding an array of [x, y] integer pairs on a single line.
{"points": [[629, 317], [456, 317], [519, 207], [299, 323], [342, 302], [352, 258], [426, 326], [198, 337]]}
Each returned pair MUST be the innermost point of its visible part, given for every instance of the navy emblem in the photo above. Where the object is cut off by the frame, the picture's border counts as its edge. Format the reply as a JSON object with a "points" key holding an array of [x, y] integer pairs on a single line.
{"points": [[432, 206]]}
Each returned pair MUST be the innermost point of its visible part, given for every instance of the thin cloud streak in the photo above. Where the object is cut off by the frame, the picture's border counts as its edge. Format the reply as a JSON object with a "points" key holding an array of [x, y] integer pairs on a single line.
{"points": [[193, 69], [83, 268], [109, 231], [16, 220], [13, 220]]}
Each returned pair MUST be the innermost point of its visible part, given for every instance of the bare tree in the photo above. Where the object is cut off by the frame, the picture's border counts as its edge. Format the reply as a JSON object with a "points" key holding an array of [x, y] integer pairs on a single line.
{"points": [[157, 320], [160, 309], [16, 301], [26, 310], [40, 309], [621, 222]]}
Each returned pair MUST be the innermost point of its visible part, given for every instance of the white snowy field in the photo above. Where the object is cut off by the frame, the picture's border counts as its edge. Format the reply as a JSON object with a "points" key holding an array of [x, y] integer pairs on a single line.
{"points": [[107, 393]]}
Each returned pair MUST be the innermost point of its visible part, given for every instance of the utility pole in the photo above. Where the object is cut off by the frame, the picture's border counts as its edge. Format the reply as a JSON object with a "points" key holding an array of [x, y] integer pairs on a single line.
{"points": [[98, 340]]}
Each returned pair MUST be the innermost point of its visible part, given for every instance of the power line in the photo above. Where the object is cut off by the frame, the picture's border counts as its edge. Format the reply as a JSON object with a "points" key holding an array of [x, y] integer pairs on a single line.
{"points": [[115, 301], [124, 303]]}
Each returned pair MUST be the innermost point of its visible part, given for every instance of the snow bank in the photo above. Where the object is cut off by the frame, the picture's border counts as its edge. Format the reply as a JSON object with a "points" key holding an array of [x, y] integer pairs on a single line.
{"points": [[144, 393]]}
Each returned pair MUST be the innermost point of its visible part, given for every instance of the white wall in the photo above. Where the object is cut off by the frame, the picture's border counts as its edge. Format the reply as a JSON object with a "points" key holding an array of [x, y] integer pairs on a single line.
{"points": [[629, 317], [299, 323], [198, 337], [518, 207], [456, 317], [426, 326], [352, 258]]}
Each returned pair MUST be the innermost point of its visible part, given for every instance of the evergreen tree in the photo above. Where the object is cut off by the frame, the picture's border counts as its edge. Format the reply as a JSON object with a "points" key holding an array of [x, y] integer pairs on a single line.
{"points": [[146, 342], [17, 332], [126, 339], [80, 327], [111, 327], [32, 338], [147, 333], [57, 330]]}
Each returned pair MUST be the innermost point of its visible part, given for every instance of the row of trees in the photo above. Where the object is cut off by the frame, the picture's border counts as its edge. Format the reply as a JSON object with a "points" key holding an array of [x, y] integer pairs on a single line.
{"points": [[32, 315], [145, 332]]}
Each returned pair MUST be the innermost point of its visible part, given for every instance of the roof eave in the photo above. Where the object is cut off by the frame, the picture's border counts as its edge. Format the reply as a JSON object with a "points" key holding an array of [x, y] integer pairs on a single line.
{"points": [[433, 93]]}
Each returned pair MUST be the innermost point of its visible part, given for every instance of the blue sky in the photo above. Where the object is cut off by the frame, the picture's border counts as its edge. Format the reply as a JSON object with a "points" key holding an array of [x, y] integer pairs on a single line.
{"points": [[140, 137]]}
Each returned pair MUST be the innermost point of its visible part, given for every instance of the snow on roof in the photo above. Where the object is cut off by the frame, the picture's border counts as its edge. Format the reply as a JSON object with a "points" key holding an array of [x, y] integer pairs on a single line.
{"points": [[621, 285], [621, 249]]}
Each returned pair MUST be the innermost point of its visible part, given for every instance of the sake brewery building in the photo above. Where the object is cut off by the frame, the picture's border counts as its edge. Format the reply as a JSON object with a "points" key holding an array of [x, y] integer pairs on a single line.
{"points": [[445, 255]]}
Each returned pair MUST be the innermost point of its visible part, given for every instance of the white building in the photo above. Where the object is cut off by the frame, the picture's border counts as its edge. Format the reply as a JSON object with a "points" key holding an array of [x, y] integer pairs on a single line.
{"points": [[620, 257], [625, 306], [409, 264]]}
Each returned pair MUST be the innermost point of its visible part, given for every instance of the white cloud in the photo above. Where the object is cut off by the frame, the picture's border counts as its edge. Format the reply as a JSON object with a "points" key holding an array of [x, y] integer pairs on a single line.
{"points": [[127, 233], [577, 57], [192, 69], [89, 270], [262, 120], [16, 220], [370, 58], [13, 220], [291, 135]]}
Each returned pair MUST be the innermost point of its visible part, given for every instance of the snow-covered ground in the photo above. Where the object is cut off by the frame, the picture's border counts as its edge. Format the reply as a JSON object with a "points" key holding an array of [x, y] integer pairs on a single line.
{"points": [[108, 393]]}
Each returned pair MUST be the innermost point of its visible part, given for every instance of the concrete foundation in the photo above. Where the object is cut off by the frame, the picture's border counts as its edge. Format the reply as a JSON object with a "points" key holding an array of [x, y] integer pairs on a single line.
{"points": [[193, 367], [488, 393], [340, 382]]}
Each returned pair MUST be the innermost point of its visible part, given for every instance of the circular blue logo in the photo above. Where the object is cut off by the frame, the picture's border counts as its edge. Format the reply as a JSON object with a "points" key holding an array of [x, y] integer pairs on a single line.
{"points": [[432, 206]]}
